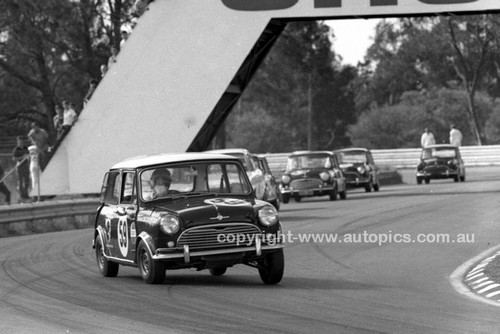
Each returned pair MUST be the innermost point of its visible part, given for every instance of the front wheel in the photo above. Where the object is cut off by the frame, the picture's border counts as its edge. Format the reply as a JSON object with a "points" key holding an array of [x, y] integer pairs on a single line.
{"points": [[286, 198], [153, 272], [419, 180], [271, 268], [333, 194], [343, 194], [376, 186], [106, 267], [368, 187], [217, 271]]}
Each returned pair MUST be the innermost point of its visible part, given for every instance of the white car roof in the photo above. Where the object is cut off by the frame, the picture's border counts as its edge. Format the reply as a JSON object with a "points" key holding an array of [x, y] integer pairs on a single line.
{"points": [[155, 159], [230, 151]]}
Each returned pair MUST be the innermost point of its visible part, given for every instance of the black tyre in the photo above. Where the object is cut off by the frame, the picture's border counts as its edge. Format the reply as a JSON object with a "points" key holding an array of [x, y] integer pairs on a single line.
{"points": [[427, 180], [419, 180], [376, 186], [456, 179], [286, 198], [333, 194], [368, 187], [298, 198], [343, 194], [462, 178], [152, 272], [272, 267], [106, 267], [217, 271]]}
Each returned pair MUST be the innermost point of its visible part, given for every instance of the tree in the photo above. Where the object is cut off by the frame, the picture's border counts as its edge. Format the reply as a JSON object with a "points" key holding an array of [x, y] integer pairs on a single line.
{"points": [[50, 49]]}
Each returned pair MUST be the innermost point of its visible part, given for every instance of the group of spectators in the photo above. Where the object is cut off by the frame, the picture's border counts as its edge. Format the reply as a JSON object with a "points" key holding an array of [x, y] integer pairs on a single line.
{"points": [[31, 159], [428, 137]]}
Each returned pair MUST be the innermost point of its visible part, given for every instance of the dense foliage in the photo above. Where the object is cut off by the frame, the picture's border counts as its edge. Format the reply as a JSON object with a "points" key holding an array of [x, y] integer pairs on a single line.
{"points": [[419, 72]]}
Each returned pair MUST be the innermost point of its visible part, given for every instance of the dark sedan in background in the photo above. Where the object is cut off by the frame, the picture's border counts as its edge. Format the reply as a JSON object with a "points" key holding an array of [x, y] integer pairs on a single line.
{"points": [[440, 162]]}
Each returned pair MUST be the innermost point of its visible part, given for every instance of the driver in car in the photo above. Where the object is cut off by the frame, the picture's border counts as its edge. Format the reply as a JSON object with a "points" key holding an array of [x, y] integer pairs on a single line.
{"points": [[160, 182]]}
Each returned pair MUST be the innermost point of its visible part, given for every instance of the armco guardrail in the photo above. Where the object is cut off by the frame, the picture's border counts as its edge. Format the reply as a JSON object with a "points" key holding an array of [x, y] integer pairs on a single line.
{"points": [[389, 159], [47, 210]]}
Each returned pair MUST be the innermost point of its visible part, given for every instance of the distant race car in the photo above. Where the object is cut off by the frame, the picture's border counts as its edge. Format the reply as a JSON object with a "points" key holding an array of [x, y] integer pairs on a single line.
{"points": [[440, 162], [272, 193], [189, 210], [312, 173], [255, 175], [359, 168]]}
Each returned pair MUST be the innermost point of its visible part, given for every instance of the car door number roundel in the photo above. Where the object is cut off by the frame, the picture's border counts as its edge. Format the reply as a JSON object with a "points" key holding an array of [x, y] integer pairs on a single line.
{"points": [[123, 236]]}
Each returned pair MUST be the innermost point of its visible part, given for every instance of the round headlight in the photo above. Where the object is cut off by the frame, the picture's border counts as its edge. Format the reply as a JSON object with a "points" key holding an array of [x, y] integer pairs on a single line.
{"points": [[268, 215], [361, 170], [285, 179], [324, 176], [169, 224]]}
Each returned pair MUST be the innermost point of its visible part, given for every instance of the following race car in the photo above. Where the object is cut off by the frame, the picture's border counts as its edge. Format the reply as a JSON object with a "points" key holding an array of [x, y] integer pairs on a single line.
{"points": [[440, 162]]}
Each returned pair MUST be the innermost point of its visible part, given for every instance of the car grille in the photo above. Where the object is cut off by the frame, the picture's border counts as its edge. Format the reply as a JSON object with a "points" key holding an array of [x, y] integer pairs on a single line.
{"points": [[349, 176], [305, 184], [240, 234], [436, 169]]}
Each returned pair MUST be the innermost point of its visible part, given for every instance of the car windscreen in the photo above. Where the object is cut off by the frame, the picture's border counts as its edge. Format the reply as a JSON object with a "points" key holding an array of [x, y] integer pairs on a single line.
{"points": [[193, 179], [351, 157], [443, 153], [308, 161]]}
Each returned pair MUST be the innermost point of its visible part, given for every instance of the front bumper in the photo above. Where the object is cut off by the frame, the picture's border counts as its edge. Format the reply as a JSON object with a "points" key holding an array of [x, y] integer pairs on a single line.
{"points": [[321, 191], [256, 250], [443, 173]]}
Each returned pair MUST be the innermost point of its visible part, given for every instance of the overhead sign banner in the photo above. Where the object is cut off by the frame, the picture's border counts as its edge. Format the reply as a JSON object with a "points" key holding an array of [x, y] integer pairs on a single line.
{"points": [[361, 7]]}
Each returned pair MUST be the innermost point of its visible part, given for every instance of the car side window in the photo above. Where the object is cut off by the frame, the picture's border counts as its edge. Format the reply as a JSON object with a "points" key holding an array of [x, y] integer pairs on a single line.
{"points": [[129, 195], [110, 191]]}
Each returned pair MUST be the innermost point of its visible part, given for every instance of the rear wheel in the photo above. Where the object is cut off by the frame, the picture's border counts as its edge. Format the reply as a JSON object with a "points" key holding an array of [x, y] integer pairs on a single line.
{"points": [[427, 180], [106, 267], [419, 180], [455, 178], [271, 267], [153, 272], [462, 178]]}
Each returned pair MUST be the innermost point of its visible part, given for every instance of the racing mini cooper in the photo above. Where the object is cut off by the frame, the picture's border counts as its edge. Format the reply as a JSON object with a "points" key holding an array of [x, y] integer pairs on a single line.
{"points": [[440, 162], [189, 210], [359, 168], [312, 173]]}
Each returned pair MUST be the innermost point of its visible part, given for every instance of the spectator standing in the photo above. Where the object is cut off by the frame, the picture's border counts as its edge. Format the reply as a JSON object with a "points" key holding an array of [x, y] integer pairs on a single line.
{"points": [[58, 121], [427, 138], [92, 88], [124, 36], [113, 57], [455, 136], [20, 155], [40, 138], [104, 69], [69, 116], [3, 188]]}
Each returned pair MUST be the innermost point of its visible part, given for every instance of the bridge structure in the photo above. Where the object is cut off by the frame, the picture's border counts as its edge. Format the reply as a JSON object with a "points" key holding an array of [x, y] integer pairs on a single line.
{"points": [[182, 70]]}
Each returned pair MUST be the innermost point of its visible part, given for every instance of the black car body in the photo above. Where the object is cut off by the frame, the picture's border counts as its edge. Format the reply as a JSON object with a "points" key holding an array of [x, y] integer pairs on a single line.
{"points": [[272, 193], [359, 168], [208, 219], [440, 162], [312, 173]]}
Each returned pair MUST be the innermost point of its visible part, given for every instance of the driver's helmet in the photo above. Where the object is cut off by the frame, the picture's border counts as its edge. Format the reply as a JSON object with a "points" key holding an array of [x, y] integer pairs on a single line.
{"points": [[161, 176]]}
